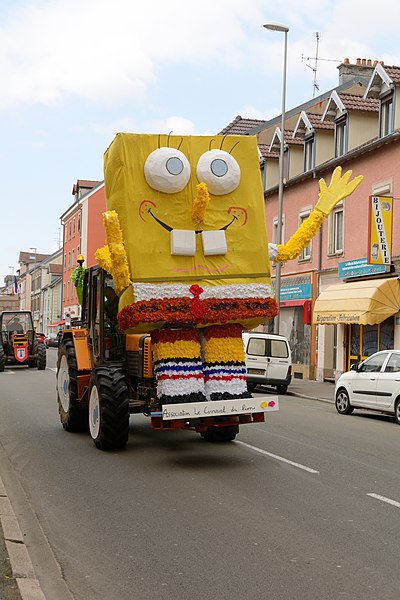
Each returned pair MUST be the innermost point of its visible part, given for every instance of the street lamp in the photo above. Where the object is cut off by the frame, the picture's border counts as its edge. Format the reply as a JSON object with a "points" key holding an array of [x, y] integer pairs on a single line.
{"points": [[284, 29]]}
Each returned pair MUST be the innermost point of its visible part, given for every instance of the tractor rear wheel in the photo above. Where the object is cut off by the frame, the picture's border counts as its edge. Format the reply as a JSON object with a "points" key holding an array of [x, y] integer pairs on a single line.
{"points": [[109, 408], [73, 415], [41, 357], [2, 358]]}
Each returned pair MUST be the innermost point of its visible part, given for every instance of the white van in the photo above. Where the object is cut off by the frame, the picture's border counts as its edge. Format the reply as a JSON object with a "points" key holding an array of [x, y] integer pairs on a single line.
{"points": [[268, 360]]}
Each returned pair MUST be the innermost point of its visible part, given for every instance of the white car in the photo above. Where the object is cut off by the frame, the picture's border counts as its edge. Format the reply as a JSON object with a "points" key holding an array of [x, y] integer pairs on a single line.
{"points": [[373, 384]]}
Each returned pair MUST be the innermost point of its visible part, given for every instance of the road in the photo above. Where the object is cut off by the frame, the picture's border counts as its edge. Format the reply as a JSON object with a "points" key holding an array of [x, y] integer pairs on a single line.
{"points": [[306, 505]]}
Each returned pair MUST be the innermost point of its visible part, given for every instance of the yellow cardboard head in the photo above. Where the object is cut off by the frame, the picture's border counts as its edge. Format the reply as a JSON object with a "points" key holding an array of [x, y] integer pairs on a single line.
{"points": [[191, 211]]}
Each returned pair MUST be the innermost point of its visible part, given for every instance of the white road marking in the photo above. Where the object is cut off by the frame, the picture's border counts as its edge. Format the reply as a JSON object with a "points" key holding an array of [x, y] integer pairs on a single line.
{"points": [[281, 458], [52, 369], [384, 499]]}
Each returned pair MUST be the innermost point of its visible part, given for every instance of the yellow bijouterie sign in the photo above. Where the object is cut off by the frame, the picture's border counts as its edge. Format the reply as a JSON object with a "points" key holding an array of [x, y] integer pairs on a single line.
{"points": [[380, 230]]}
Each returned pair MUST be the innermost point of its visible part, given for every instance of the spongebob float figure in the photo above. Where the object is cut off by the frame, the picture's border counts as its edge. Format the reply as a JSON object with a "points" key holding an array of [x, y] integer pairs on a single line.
{"points": [[188, 251]]}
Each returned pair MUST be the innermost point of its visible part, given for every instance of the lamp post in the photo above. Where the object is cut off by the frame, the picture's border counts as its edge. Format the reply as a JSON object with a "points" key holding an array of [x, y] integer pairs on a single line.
{"points": [[284, 29]]}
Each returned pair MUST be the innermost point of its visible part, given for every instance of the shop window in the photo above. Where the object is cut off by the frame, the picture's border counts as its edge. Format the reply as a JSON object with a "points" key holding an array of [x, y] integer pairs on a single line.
{"points": [[309, 152], [335, 231], [341, 136], [306, 253], [297, 333], [386, 116]]}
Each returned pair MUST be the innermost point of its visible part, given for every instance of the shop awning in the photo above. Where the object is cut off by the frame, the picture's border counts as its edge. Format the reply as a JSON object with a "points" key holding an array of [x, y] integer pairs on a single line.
{"points": [[56, 324], [365, 302]]}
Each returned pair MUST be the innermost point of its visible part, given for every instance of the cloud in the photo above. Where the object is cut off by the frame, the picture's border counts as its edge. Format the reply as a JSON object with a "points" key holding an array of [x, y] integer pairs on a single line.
{"points": [[106, 52]]}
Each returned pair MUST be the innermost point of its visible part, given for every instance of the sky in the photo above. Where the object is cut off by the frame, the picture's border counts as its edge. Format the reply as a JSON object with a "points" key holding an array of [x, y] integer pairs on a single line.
{"points": [[74, 73]]}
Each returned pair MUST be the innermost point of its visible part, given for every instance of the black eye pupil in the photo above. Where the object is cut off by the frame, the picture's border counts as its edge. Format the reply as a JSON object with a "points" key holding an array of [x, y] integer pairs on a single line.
{"points": [[174, 165], [219, 167]]}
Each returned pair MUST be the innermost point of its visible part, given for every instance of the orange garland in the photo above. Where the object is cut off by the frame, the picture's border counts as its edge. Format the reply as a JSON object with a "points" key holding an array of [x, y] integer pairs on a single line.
{"points": [[179, 310]]}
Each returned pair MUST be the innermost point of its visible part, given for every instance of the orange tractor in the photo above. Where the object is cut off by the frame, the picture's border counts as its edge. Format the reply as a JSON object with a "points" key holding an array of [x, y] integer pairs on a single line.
{"points": [[103, 376], [19, 343]]}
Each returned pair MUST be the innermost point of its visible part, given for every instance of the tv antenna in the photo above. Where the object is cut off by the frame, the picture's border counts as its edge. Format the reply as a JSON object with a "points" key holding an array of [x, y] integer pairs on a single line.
{"points": [[316, 58]]}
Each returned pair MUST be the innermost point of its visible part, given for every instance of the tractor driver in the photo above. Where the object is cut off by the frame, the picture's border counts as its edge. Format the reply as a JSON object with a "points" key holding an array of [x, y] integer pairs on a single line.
{"points": [[15, 326]]}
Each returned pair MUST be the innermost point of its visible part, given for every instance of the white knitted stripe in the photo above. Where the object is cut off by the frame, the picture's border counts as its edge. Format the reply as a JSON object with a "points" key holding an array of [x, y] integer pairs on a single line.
{"points": [[151, 291], [178, 387], [234, 387]]}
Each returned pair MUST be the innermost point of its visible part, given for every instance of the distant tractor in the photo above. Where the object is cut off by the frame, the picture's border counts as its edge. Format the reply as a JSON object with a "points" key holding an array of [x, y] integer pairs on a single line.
{"points": [[19, 343]]}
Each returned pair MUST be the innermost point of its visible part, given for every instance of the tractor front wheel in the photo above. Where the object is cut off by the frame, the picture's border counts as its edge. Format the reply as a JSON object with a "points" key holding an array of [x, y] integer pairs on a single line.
{"points": [[73, 415], [109, 408], [41, 357]]}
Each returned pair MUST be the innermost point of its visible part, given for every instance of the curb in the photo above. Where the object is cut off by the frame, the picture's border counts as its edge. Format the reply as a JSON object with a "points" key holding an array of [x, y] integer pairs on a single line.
{"points": [[327, 400], [21, 564]]}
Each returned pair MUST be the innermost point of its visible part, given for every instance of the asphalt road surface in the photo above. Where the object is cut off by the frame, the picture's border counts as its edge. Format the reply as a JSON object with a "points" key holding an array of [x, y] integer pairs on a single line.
{"points": [[305, 506]]}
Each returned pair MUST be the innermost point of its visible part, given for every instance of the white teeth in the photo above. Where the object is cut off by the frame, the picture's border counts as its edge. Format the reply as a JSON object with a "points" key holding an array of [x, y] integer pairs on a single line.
{"points": [[183, 242], [214, 242]]}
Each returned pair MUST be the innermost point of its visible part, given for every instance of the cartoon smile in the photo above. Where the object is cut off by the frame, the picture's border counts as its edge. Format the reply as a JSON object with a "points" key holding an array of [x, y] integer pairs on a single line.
{"points": [[238, 214]]}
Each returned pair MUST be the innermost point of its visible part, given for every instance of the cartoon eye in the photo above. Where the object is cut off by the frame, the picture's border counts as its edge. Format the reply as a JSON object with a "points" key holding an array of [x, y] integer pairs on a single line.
{"points": [[219, 170], [167, 170]]}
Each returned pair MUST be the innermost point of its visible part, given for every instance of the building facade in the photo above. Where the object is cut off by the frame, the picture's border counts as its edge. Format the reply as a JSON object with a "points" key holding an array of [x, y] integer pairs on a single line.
{"points": [[356, 126]]}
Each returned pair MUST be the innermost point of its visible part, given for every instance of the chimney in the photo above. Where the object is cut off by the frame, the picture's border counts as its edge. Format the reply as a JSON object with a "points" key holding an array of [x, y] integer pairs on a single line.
{"points": [[362, 69]]}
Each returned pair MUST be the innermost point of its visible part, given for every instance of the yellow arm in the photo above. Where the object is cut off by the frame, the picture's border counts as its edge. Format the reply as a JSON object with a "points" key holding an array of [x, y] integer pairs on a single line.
{"points": [[340, 187], [113, 256]]}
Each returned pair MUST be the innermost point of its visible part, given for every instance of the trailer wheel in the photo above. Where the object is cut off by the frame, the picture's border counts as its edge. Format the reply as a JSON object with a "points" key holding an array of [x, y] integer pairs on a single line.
{"points": [[220, 434], [109, 408], [73, 415], [41, 357], [2, 358]]}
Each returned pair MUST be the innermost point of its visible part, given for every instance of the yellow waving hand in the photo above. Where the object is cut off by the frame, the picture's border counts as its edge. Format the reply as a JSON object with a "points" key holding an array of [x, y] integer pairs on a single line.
{"points": [[340, 187]]}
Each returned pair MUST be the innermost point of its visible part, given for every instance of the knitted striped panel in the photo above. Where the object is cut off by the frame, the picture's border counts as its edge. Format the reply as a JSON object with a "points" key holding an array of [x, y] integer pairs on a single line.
{"points": [[224, 368], [177, 366]]}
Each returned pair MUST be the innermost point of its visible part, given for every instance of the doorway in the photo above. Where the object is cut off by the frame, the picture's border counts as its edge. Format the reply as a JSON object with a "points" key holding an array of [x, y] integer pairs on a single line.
{"points": [[364, 340]]}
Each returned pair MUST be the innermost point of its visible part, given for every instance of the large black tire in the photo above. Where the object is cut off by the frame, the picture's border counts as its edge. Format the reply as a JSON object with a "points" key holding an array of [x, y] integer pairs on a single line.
{"points": [[109, 408], [73, 415], [41, 354], [220, 434], [2, 358], [342, 402], [397, 411]]}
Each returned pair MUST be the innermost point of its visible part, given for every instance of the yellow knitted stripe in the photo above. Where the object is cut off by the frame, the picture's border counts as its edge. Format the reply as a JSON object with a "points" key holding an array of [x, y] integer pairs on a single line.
{"points": [[179, 349], [224, 350]]}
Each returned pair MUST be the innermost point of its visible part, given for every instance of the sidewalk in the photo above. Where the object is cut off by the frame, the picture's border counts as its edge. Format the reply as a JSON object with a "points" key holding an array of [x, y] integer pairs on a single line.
{"points": [[315, 390]]}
